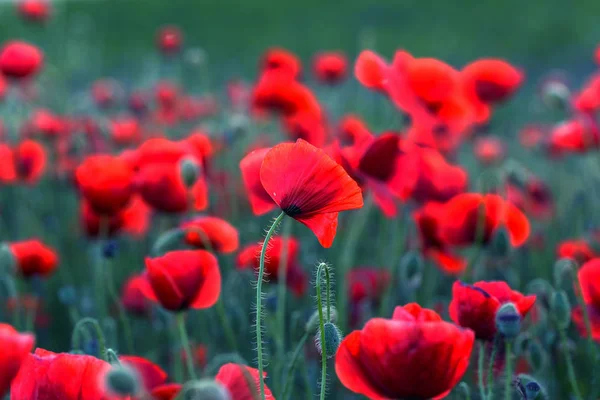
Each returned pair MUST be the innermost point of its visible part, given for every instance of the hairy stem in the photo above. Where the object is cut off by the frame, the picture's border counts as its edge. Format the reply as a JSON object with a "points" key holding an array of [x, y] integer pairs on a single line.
{"points": [[490, 374], [323, 267]]}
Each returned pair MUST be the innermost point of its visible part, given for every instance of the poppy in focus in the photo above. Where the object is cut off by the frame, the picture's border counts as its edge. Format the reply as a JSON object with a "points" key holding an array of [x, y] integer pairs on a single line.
{"points": [[260, 201]]}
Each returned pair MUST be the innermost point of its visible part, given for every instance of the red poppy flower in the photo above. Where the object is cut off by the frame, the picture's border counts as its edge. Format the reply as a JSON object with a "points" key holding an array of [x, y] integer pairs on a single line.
{"points": [[531, 136], [352, 130], [474, 306], [330, 68], [489, 150], [295, 279], [577, 249], [167, 94], [282, 61], [278, 93], [7, 165], [222, 237], [574, 136], [589, 280], [47, 124], [168, 391], [125, 131], [3, 90], [104, 92], [183, 279], [45, 375], [34, 10], [134, 219], [132, 296], [259, 199], [15, 348], [150, 374], [309, 186], [161, 150], [138, 102], [242, 382], [106, 182], [201, 145], [169, 39], [367, 283], [30, 160], [33, 257], [413, 355], [306, 126], [20, 59]]}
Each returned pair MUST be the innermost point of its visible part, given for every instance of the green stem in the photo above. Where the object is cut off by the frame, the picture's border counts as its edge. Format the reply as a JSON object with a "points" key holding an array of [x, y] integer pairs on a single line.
{"points": [[291, 367], [112, 357], [261, 273], [490, 375], [480, 362], [222, 315], [570, 368], [508, 371], [322, 267], [75, 342], [103, 231], [281, 292], [185, 342]]}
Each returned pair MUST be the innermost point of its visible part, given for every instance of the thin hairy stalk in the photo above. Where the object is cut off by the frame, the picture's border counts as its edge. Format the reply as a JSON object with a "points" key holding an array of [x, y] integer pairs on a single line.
{"points": [[490, 374], [323, 267], [261, 273], [75, 339], [292, 365], [185, 342]]}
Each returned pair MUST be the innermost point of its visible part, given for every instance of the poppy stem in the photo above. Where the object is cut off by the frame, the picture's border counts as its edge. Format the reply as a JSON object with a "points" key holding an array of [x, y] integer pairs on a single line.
{"points": [[103, 232], [185, 342], [281, 291], [508, 371], [570, 368], [490, 375], [261, 273], [480, 362], [323, 267], [75, 337], [292, 365]]}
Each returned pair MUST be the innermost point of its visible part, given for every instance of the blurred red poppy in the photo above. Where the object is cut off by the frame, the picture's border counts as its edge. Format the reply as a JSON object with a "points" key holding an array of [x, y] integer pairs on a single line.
{"points": [[589, 280], [150, 374], [34, 258], [106, 182], [306, 126], [46, 375], [34, 10], [474, 306], [242, 382], [281, 60], [367, 283], [221, 236], [577, 135], [296, 279], [167, 94], [169, 39], [20, 59], [309, 186], [132, 296], [125, 131], [138, 102], [578, 250], [104, 92], [489, 150], [8, 173], [183, 279], [278, 93], [167, 391], [259, 199], [15, 348], [330, 68], [134, 219], [30, 161], [47, 124], [531, 135], [415, 355], [352, 130]]}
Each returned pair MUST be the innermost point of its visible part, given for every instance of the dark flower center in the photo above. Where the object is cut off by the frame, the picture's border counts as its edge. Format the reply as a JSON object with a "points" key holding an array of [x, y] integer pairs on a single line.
{"points": [[292, 210]]}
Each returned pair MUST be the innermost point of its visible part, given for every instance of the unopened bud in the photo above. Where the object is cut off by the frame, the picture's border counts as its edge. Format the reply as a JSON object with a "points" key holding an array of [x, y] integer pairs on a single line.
{"points": [[541, 288], [189, 170], [561, 309], [555, 95], [508, 320], [564, 270], [500, 245], [529, 387], [411, 269], [333, 338], [205, 389], [536, 355], [122, 381], [313, 323]]}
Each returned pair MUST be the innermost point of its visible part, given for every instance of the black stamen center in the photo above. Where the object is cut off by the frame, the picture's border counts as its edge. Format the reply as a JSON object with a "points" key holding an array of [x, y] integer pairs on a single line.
{"points": [[292, 210]]}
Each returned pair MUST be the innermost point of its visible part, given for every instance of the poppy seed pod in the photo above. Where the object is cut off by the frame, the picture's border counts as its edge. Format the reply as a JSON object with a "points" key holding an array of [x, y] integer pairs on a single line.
{"points": [[122, 381], [508, 320], [536, 355], [189, 170], [561, 309], [313, 322], [528, 387], [411, 269], [333, 338], [205, 389]]}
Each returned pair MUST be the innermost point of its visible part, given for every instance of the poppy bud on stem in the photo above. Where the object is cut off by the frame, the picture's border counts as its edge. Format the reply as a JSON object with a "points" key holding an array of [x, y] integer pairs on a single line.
{"points": [[78, 329], [261, 273], [323, 268]]}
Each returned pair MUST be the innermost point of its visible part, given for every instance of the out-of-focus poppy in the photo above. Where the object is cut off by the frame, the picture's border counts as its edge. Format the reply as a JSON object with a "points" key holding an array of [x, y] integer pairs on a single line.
{"points": [[169, 39], [531, 136], [3, 88], [587, 101], [282, 61], [15, 348], [34, 10], [201, 145], [138, 102], [309, 186], [277, 92], [574, 136], [34, 258], [221, 236], [276, 250], [589, 281], [167, 391], [242, 382], [415, 355], [20, 60], [133, 219], [104, 92], [306, 126], [367, 283], [474, 306], [199, 355], [167, 94], [132, 296], [330, 68], [106, 182], [45, 375], [260, 201], [47, 124], [30, 161], [125, 131], [183, 279], [489, 150], [577, 249], [7, 165], [535, 198], [160, 150], [193, 108], [352, 130], [150, 374]]}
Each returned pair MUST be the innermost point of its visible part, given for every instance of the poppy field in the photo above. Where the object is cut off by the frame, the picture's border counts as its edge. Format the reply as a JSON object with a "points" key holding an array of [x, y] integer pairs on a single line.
{"points": [[195, 204]]}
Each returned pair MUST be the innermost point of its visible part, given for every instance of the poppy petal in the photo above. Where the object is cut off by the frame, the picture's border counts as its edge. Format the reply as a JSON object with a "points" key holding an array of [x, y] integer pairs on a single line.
{"points": [[324, 226]]}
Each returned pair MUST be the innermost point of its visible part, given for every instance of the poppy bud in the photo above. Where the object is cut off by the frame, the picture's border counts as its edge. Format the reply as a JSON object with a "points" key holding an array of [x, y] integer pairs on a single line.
{"points": [[521, 343], [411, 269], [122, 381], [529, 387], [189, 170], [205, 389], [540, 287], [464, 389], [313, 322], [556, 95], [563, 272], [536, 355], [561, 309], [508, 320], [7, 260], [333, 338], [500, 245]]}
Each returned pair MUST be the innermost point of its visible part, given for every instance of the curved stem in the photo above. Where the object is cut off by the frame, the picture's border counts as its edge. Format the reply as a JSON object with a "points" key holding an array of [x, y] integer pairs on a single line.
{"points": [[99, 335], [480, 362], [185, 342], [292, 365], [261, 273], [322, 267], [570, 368], [490, 375], [508, 371]]}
